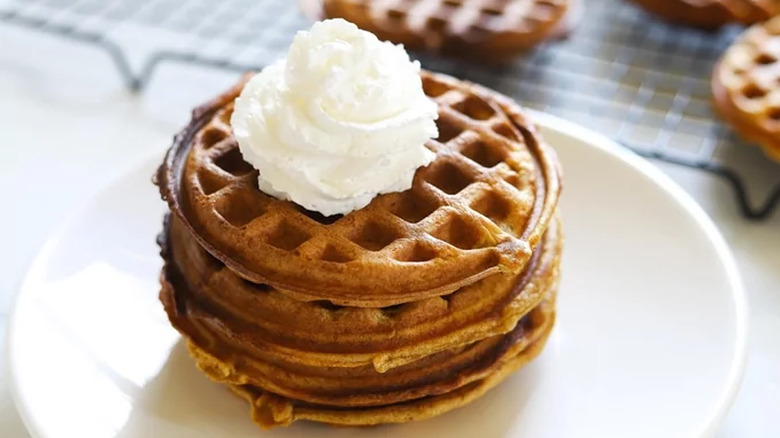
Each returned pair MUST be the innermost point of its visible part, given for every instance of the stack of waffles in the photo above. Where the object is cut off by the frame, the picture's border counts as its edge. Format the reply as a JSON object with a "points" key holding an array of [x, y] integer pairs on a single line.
{"points": [[410, 307]]}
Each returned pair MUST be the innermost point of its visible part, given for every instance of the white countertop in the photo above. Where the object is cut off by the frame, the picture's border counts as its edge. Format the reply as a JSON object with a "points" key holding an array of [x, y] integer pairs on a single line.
{"points": [[69, 126]]}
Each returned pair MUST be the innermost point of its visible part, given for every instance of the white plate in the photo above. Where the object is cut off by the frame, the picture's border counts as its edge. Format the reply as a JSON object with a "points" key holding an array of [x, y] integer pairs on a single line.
{"points": [[650, 338]]}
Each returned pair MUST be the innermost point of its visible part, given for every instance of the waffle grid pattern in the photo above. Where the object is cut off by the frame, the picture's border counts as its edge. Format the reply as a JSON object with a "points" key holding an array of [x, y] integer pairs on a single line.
{"points": [[478, 208], [226, 175], [639, 80], [750, 71], [380, 338], [437, 20]]}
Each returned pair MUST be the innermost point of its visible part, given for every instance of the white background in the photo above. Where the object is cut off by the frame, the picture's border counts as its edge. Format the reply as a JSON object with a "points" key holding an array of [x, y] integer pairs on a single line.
{"points": [[68, 126]]}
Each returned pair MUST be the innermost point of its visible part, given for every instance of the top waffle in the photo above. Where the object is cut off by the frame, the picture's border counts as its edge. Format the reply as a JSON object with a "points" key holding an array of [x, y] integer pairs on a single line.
{"points": [[480, 208], [485, 28], [713, 13]]}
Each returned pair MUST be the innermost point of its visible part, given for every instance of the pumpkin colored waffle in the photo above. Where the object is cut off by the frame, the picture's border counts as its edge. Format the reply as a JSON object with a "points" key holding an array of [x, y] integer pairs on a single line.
{"points": [[207, 302], [746, 86], [271, 410], [711, 14], [362, 392], [355, 388], [479, 209], [490, 29]]}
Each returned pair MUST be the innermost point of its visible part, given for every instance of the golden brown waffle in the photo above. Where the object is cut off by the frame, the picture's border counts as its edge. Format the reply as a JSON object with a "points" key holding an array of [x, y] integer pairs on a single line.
{"points": [[746, 86], [490, 29], [712, 14], [270, 410], [206, 301], [479, 209], [335, 387], [760, 10]]}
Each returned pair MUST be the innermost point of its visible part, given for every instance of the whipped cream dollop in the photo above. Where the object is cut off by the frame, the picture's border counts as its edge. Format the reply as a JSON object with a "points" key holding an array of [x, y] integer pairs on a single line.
{"points": [[341, 120]]}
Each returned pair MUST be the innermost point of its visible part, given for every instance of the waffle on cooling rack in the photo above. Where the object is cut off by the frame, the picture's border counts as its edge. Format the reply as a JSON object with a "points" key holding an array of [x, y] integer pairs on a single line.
{"points": [[710, 14], [746, 86], [487, 29]]}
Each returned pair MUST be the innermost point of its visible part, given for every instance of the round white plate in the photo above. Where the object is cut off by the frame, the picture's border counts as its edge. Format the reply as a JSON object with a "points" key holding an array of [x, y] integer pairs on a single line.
{"points": [[650, 338]]}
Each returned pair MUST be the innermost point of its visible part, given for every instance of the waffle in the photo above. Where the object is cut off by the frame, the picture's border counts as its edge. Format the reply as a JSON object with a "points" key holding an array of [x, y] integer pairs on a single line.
{"points": [[270, 410], [479, 209], [437, 374], [488, 29], [760, 10], [206, 301], [746, 86], [711, 14]]}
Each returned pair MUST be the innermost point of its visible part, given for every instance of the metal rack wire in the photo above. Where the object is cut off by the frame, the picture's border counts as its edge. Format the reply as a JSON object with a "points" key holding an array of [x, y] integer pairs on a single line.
{"points": [[641, 81]]}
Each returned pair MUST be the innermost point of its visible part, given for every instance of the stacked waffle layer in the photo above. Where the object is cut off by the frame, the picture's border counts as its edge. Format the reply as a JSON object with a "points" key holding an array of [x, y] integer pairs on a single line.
{"points": [[405, 309]]}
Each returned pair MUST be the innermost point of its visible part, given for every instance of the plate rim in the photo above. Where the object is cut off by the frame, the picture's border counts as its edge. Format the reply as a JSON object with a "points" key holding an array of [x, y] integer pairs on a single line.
{"points": [[544, 122], [738, 363], [33, 265]]}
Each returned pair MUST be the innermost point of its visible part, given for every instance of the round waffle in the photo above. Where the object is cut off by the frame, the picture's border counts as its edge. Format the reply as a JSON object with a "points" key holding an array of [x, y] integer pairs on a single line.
{"points": [[490, 29], [433, 375], [710, 14], [746, 86], [207, 302], [479, 209], [270, 410], [760, 10]]}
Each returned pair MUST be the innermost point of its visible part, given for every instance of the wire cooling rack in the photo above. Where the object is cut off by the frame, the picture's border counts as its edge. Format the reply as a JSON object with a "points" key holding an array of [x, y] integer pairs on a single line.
{"points": [[643, 82]]}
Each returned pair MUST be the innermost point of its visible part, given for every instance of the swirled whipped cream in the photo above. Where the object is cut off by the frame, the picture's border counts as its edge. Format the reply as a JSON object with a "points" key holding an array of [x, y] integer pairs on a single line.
{"points": [[341, 120]]}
